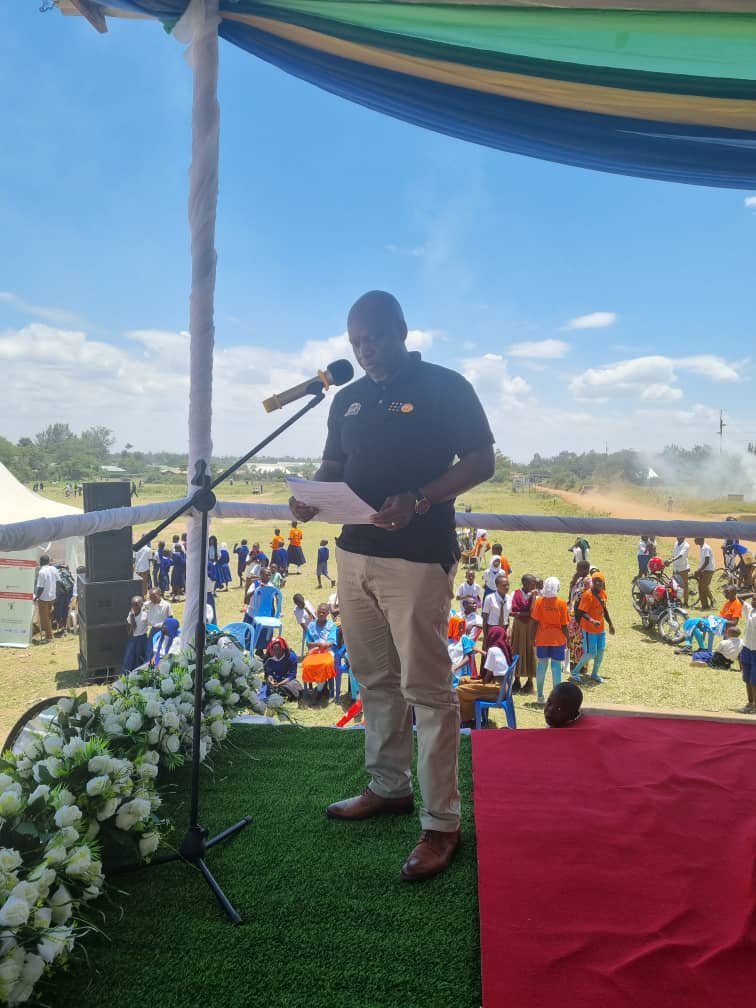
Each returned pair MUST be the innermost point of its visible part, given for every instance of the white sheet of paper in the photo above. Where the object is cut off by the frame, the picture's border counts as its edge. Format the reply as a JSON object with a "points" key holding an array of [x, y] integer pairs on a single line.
{"points": [[336, 502]]}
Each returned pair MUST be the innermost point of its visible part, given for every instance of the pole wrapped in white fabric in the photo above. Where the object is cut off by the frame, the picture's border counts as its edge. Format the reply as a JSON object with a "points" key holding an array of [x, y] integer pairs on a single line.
{"points": [[199, 28]]}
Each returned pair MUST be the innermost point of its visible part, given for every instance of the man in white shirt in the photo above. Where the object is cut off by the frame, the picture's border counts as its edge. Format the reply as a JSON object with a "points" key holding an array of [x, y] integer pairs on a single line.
{"points": [[142, 560], [704, 573], [643, 555], [156, 612], [469, 589], [496, 607], [681, 566], [44, 595], [136, 647]]}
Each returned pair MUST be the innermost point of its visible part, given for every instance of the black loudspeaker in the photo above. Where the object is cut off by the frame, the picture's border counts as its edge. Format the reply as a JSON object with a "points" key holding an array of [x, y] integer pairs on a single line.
{"points": [[102, 647], [103, 603], [108, 554]]}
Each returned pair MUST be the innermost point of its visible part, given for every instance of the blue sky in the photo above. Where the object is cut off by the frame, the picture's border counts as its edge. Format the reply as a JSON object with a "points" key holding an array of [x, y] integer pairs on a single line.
{"points": [[493, 256]]}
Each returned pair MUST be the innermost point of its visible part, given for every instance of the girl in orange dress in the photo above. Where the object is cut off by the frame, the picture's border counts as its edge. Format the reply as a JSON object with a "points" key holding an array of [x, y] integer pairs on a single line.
{"points": [[294, 555]]}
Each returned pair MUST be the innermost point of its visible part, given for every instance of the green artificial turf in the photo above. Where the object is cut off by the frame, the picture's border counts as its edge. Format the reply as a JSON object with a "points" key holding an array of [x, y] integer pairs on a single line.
{"points": [[327, 921]]}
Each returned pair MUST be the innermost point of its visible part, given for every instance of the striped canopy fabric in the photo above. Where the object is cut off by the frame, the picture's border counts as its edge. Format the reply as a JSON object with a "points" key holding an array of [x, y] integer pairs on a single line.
{"points": [[658, 90]]}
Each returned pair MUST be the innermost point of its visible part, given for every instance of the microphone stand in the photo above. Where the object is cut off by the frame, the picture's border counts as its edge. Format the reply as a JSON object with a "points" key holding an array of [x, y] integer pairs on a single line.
{"points": [[196, 843]]}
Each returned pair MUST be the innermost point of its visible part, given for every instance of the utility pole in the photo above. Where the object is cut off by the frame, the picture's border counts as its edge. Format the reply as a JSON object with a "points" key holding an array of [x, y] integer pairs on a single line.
{"points": [[722, 426]]}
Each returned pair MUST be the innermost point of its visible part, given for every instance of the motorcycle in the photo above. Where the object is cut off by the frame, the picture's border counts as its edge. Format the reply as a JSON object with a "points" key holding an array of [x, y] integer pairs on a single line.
{"points": [[657, 600]]}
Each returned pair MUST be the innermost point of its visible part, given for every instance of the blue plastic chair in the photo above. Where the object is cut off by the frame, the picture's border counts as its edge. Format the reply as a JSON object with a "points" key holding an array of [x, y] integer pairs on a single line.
{"points": [[504, 700], [266, 607], [212, 628], [242, 634]]}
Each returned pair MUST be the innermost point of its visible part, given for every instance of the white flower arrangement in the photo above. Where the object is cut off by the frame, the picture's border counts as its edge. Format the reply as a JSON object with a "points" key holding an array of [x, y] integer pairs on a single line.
{"points": [[96, 768]]}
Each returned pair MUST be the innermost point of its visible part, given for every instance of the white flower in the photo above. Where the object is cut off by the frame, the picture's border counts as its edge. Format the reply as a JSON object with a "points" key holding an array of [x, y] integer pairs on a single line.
{"points": [[79, 862], [33, 969], [258, 707], [113, 726], [68, 835], [11, 964], [93, 829], [14, 912], [186, 709], [10, 802], [31, 747], [187, 683], [134, 721], [43, 877], [170, 718], [52, 764], [148, 770], [9, 859], [55, 854], [131, 812], [153, 735], [28, 891], [218, 730], [151, 757], [56, 941], [215, 711], [96, 785], [275, 700], [213, 686], [167, 686], [171, 743], [40, 793], [100, 764], [5, 782], [61, 903], [42, 917], [66, 705], [234, 699], [52, 744], [148, 844], [67, 815], [65, 797], [152, 709], [74, 747], [86, 710], [107, 810]]}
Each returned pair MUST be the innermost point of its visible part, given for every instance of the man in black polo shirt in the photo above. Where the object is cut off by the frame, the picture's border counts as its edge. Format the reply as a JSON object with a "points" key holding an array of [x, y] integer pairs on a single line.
{"points": [[393, 436]]}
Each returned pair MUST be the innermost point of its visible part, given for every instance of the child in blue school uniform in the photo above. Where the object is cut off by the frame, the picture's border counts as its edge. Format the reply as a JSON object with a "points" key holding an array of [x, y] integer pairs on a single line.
{"points": [[322, 563], [165, 563], [224, 568], [242, 552], [178, 571]]}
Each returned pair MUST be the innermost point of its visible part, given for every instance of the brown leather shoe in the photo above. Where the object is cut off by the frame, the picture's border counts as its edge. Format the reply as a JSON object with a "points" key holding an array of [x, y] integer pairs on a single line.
{"points": [[431, 856], [369, 804]]}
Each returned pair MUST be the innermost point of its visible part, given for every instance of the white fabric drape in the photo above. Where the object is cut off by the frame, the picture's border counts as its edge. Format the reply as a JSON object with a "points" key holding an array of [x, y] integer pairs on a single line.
{"points": [[199, 28], [39, 531]]}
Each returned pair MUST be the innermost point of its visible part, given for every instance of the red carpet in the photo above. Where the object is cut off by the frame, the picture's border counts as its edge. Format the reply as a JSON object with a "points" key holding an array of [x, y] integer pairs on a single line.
{"points": [[617, 864]]}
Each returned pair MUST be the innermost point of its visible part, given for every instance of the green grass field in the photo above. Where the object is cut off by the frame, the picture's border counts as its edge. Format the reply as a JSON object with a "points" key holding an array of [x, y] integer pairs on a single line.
{"points": [[639, 669]]}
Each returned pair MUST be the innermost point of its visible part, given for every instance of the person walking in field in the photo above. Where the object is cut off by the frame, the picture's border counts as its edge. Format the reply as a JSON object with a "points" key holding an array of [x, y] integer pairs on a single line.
{"points": [[551, 619], [594, 619]]}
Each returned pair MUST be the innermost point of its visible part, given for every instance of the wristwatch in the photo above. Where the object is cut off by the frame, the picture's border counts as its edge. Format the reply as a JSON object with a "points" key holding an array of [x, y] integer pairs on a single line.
{"points": [[422, 504]]}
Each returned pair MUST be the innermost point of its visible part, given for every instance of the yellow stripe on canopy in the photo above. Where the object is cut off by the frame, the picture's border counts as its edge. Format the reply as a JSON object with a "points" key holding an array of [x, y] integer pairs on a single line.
{"points": [[658, 107]]}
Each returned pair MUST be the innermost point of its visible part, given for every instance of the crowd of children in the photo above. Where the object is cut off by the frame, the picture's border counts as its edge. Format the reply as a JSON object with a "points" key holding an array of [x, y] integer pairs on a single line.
{"points": [[530, 627]]}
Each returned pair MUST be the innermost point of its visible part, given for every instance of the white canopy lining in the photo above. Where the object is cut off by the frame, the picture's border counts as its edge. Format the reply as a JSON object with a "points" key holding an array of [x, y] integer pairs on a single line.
{"points": [[22, 535]]}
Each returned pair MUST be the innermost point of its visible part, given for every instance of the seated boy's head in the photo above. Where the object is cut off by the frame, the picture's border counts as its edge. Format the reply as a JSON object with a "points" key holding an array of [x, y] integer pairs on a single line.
{"points": [[323, 542], [298, 599], [563, 705], [732, 631], [497, 549], [469, 604], [730, 593]]}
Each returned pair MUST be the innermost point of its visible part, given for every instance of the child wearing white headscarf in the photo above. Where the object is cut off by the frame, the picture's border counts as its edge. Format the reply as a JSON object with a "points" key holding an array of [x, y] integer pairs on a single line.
{"points": [[552, 618]]}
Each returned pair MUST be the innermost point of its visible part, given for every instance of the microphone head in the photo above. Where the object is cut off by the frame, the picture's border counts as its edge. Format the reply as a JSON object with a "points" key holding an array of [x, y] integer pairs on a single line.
{"points": [[340, 372]]}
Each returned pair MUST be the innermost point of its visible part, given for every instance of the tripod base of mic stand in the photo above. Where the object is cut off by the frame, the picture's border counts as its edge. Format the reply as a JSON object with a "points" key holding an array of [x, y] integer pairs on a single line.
{"points": [[192, 850]]}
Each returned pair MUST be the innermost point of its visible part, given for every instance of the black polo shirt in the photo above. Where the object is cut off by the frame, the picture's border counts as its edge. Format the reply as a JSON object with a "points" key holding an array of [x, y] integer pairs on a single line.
{"points": [[396, 436]]}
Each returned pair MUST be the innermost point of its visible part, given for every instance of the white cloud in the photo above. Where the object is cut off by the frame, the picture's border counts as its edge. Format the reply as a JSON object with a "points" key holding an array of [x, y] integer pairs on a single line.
{"points": [[55, 316], [548, 349], [750, 202], [650, 377], [414, 252], [658, 390], [140, 386], [499, 391], [595, 320]]}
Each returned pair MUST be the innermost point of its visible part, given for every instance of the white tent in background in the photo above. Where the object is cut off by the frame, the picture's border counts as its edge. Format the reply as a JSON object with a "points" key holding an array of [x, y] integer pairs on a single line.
{"points": [[652, 475], [18, 503]]}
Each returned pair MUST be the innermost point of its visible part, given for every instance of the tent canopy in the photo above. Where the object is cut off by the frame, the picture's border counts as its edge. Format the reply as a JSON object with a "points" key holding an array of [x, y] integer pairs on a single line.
{"points": [[661, 90], [18, 503]]}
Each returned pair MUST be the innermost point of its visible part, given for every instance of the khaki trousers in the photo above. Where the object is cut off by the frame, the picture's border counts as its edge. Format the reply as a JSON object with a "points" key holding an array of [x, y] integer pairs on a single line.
{"points": [[705, 598], [394, 616], [45, 618]]}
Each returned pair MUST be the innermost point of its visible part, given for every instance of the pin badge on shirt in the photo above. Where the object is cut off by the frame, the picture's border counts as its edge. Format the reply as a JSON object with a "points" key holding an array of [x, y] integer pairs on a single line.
{"points": [[354, 409], [400, 407]]}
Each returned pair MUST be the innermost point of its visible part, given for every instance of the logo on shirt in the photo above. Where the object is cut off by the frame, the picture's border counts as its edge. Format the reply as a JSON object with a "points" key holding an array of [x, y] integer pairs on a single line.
{"points": [[354, 409], [407, 407], [400, 407]]}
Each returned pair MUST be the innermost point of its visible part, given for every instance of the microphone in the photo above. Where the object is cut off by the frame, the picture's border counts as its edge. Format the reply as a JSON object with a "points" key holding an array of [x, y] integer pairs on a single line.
{"points": [[337, 373]]}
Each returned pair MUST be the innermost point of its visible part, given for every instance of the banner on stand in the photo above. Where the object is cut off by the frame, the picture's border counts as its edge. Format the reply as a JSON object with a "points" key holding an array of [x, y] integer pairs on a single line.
{"points": [[18, 572]]}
